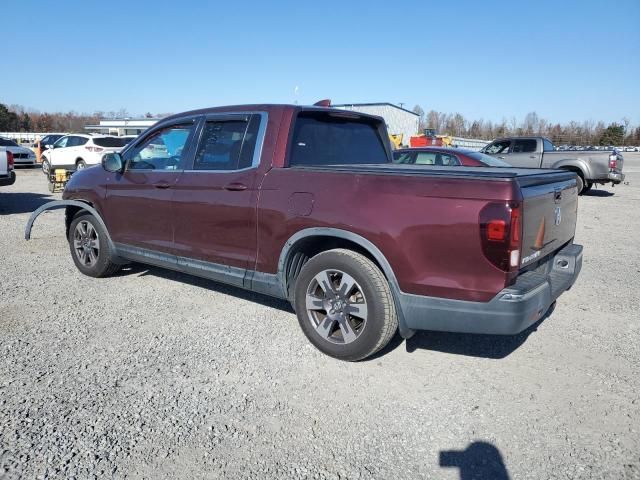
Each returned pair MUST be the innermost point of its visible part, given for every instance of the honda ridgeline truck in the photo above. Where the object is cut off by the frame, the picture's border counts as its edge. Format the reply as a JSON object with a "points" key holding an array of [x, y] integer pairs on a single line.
{"points": [[305, 204]]}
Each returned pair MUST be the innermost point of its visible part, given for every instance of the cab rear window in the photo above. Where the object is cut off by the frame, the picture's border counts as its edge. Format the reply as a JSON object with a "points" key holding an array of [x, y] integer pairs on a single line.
{"points": [[112, 142], [333, 139]]}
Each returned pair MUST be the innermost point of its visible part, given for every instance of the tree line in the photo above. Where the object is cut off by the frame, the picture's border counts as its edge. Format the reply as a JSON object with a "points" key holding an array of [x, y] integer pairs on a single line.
{"points": [[15, 118], [572, 133]]}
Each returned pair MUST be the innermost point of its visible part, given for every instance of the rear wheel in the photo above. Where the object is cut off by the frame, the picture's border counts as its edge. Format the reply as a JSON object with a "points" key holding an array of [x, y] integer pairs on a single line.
{"points": [[580, 182], [80, 165], [344, 305], [90, 248]]}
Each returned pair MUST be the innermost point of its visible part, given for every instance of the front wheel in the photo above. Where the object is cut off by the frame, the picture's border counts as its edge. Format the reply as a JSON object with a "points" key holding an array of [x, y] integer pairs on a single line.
{"points": [[45, 166], [90, 247], [344, 305]]}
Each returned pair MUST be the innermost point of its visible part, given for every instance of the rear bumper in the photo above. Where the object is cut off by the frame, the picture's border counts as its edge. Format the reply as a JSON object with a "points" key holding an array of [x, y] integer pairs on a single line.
{"points": [[7, 180], [511, 311], [616, 178]]}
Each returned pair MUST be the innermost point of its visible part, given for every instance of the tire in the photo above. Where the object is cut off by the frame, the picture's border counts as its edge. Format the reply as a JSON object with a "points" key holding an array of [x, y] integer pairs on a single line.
{"points": [[580, 183], [334, 282], [90, 248], [45, 166], [80, 164]]}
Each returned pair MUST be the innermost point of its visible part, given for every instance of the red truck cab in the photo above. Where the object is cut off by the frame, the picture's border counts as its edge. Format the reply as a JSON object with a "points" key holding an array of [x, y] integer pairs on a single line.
{"points": [[305, 203]]}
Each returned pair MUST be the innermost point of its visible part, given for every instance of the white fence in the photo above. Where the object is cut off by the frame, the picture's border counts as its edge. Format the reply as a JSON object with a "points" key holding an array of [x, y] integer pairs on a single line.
{"points": [[470, 143], [27, 137]]}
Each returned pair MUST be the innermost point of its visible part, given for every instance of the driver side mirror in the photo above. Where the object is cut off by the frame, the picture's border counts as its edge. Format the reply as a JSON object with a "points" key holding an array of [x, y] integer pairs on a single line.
{"points": [[112, 162]]}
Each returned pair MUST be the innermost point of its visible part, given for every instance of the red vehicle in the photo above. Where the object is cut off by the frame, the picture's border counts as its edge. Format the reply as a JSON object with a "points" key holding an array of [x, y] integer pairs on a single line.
{"points": [[305, 204], [445, 156]]}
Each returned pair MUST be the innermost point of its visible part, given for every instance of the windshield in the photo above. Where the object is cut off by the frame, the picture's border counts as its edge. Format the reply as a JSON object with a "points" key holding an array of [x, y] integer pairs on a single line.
{"points": [[5, 142], [486, 159]]}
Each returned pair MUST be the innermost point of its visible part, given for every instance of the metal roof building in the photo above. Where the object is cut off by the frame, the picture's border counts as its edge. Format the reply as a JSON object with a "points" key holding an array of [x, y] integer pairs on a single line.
{"points": [[122, 126], [399, 120]]}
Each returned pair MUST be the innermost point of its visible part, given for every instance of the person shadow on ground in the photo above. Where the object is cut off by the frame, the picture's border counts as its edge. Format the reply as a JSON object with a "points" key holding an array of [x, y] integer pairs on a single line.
{"points": [[479, 461]]}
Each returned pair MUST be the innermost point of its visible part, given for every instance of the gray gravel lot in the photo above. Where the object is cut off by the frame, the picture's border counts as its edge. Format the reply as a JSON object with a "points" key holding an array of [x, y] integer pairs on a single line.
{"points": [[154, 374]]}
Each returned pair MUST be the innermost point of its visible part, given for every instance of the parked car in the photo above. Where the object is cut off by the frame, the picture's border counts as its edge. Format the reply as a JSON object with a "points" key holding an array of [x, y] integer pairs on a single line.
{"points": [[21, 155], [447, 157], [630, 149], [306, 204], [46, 142], [78, 151], [7, 174], [539, 152]]}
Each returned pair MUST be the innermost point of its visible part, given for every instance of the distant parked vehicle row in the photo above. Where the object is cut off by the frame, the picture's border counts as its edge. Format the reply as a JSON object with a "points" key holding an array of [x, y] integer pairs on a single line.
{"points": [[78, 151], [7, 175], [21, 155]]}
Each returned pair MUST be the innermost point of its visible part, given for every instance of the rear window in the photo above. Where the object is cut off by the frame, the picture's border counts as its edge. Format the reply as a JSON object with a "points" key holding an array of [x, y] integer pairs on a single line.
{"points": [[112, 142], [332, 139]]}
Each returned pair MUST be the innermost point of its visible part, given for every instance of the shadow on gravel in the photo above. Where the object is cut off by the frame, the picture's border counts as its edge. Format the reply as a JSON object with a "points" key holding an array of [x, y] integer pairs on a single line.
{"points": [[267, 301], [471, 345], [479, 461], [598, 193], [12, 202]]}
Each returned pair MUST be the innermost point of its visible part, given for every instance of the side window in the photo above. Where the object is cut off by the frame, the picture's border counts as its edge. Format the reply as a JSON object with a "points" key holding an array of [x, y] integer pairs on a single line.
{"points": [[436, 158], [82, 140], [498, 147], [405, 158], [227, 144], [525, 146], [425, 158], [62, 143], [163, 150], [548, 146], [76, 141]]}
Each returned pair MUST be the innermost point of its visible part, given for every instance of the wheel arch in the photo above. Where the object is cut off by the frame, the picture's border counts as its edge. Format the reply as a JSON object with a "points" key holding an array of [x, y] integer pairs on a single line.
{"points": [[72, 208], [306, 243], [575, 165]]}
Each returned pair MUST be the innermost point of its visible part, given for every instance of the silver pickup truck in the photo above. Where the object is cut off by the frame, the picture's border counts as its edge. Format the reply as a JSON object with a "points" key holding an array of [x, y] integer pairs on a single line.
{"points": [[538, 152]]}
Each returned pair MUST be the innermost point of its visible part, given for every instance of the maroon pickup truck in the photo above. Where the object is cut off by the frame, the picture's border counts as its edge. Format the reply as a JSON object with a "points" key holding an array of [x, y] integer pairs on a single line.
{"points": [[305, 204]]}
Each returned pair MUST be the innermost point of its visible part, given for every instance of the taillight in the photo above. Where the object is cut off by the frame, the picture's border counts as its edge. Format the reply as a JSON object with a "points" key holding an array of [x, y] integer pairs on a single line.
{"points": [[613, 161], [94, 149], [501, 234], [9, 160]]}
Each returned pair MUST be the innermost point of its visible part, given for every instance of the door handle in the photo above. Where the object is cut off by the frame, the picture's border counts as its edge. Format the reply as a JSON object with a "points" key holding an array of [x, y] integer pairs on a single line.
{"points": [[235, 187], [532, 156], [161, 185], [501, 158]]}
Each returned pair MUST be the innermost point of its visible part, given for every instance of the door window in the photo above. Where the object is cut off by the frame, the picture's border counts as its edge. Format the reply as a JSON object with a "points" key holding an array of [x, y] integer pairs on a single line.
{"points": [[76, 141], [227, 144], [548, 146], [162, 150], [525, 145], [436, 158], [498, 147], [62, 143]]}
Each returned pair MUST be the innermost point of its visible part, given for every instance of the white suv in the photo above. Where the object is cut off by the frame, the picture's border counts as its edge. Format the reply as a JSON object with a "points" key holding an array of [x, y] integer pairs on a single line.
{"points": [[77, 151]]}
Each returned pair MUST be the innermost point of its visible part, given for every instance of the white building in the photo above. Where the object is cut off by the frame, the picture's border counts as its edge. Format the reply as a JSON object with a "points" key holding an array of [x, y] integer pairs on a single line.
{"points": [[399, 120], [122, 126]]}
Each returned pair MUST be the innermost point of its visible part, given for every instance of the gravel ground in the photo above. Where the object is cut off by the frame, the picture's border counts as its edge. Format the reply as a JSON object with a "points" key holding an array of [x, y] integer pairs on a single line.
{"points": [[153, 374]]}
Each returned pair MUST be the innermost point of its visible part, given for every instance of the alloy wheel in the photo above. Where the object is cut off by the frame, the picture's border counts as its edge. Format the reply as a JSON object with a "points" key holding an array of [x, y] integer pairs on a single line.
{"points": [[336, 306], [86, 243]]}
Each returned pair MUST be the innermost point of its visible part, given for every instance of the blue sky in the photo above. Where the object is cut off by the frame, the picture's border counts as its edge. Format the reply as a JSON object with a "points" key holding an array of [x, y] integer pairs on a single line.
{"points": [[566, 60]]}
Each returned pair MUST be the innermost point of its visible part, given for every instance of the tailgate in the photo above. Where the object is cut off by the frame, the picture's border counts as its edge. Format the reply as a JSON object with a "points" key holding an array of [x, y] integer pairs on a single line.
{"points": [[549, 214]]}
